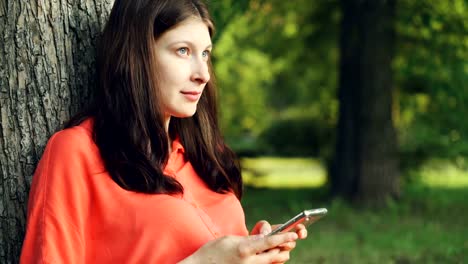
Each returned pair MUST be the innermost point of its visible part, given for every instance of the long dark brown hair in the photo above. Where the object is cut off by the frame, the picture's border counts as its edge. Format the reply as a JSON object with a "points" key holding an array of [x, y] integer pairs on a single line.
{"points": [[128, 120]]}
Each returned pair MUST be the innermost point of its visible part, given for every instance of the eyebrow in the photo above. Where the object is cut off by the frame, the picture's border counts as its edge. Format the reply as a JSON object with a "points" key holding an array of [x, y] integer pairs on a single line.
{"points": [[189, 42]]}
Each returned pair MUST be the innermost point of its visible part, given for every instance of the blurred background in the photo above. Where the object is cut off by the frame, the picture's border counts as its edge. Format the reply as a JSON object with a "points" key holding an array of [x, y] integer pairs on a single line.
{"points": [[357, 106]]}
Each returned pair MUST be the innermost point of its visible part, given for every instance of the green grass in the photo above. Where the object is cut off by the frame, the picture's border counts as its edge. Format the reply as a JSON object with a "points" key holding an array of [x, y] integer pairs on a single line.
{"points": [[427, 225]]}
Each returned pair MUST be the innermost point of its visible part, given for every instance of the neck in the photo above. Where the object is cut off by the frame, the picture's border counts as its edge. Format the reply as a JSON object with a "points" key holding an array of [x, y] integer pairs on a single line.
{"points": [[166, 126], [167, 119]]}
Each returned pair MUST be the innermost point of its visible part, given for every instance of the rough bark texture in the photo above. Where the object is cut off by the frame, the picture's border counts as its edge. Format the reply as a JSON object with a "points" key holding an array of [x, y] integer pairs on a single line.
{"points": [[46, 75], [366, 162]]}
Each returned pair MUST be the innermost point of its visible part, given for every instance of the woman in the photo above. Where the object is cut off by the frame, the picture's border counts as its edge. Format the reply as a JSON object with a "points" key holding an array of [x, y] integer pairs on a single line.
{"points": [[144, 176]]}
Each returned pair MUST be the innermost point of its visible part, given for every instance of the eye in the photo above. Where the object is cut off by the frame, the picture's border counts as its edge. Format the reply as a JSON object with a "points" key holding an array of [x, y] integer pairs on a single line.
{"points": [[206, 54], [183, 51]]}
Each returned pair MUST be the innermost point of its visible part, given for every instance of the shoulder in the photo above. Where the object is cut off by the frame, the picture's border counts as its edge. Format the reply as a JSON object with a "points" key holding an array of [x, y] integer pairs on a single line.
{"points": [[74, 146], [60, 198], [74, 136]]}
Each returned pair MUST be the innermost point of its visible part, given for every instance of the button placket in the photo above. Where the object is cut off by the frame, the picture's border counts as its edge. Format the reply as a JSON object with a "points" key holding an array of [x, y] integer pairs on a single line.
{"points": [[202, 214]]}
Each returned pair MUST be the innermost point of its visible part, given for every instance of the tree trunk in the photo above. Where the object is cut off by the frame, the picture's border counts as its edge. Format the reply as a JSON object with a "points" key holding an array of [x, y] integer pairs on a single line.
{"points": [[366, 163], [46, 75]]}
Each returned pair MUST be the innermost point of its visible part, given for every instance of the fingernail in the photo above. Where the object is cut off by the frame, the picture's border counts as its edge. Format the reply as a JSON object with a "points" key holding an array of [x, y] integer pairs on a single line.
{"points": [[265, 230]]}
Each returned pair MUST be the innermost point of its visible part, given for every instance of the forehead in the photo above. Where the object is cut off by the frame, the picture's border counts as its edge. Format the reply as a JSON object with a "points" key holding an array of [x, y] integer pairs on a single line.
{"points": [[191, 29]]}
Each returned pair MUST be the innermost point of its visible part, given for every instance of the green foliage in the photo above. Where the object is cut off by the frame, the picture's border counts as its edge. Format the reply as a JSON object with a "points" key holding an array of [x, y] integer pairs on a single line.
{"points": [[242, 75], [265, 66], [300, 136], [276, 57], [432, 71], [225, 11]]}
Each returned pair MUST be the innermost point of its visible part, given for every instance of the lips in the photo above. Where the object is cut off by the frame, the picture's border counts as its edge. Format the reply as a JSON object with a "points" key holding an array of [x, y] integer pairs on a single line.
{"points": [[191, 95]]}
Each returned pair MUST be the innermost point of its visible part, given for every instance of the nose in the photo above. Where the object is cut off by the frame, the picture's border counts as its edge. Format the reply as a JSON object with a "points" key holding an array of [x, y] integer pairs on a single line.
{"points": [[200, 72]]}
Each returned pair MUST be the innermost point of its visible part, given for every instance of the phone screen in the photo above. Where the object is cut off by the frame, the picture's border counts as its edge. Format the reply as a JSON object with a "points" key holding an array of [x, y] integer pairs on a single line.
{"points": [[306, 217]]}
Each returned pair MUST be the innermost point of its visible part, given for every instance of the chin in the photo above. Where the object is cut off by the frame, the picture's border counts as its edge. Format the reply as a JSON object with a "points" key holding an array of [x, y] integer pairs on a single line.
{"points": [[185, 114]]}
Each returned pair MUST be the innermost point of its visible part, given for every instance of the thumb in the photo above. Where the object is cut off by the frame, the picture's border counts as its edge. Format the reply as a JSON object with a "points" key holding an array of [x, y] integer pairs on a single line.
{"points": [[265, 229], [262, 227]]}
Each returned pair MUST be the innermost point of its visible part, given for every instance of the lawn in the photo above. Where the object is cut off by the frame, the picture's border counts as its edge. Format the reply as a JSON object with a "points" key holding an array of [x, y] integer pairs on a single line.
{"points": [[427, 225]]}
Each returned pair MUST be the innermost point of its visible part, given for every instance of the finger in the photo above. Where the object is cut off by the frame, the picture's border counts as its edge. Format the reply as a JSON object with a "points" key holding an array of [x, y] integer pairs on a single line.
{"points": [[301, 231], [273, 256], [265, 229], [261, 227], [287, 246], [274, 250], [253, 246]]}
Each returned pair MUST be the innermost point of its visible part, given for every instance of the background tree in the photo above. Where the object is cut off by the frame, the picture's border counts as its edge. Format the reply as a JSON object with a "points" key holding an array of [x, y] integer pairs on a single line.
{"points": [[365, 165], [46, 75]]}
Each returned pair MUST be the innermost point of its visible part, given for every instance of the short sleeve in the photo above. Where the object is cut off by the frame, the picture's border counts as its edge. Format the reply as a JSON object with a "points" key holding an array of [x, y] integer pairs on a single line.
{"points": [[59, 201]]}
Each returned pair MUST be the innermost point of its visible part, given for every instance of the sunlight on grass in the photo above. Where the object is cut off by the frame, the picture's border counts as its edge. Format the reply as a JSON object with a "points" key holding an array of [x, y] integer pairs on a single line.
{"points": [[437, 173], [283, 172], [279, 172]]}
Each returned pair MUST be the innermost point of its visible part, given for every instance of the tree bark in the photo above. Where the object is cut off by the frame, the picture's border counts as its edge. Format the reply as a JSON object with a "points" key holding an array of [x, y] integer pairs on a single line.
{"points": [[46, 75], [366, 162]]}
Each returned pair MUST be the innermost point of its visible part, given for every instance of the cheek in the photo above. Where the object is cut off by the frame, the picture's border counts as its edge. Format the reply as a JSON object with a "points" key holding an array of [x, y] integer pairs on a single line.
{"points": [[172, 74]]}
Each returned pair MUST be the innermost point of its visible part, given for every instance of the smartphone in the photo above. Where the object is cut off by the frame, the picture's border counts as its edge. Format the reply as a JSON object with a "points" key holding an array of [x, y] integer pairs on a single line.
{"points": [[306, 217]]}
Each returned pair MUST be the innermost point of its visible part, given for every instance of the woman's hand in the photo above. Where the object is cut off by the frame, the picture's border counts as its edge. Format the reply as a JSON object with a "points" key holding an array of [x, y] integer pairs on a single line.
{"points": [[243, 250], [263, 227]]}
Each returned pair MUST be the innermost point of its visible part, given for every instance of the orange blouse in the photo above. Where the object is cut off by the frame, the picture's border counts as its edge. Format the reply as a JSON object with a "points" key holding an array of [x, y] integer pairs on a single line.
{"points": [[78, 214]]}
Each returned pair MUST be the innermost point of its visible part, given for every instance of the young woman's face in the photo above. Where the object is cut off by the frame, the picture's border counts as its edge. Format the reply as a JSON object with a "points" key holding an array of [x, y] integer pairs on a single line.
{"points": [[182, 55]]}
